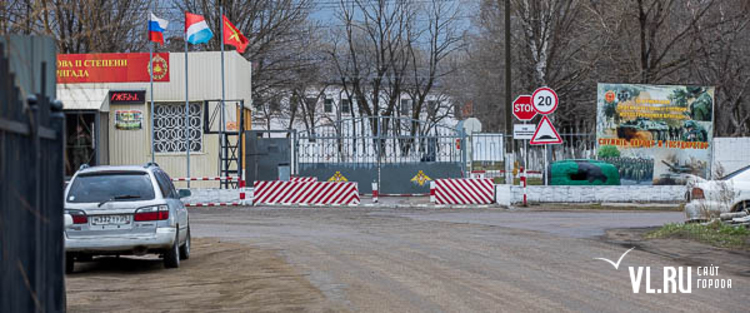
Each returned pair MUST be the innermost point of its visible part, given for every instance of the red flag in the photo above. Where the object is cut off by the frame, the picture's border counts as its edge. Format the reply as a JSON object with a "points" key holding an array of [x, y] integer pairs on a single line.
{"points": [[232, 36]]}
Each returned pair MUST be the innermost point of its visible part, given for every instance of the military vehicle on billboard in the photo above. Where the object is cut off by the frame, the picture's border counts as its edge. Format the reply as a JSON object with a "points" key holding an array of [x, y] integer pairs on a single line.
{"points": [[677, 174], [583, 172], [629, 130]]}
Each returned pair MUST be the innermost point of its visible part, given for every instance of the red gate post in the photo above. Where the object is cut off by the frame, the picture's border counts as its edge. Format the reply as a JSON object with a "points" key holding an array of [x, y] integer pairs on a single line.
{"points": [[242, 191]]}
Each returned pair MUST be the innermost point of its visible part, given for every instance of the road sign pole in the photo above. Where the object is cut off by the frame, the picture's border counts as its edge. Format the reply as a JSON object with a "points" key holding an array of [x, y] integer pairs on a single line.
{"points": [[546, 177]]}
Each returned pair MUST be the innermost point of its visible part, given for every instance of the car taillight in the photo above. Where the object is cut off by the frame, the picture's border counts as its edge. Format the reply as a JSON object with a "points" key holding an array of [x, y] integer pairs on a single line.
{"points": [[79, 217], [153, 213], [697, 193]]}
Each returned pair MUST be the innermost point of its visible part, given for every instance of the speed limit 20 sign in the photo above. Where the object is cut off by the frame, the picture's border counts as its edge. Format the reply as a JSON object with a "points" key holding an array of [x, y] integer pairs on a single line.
{"points": [[544, 100]]}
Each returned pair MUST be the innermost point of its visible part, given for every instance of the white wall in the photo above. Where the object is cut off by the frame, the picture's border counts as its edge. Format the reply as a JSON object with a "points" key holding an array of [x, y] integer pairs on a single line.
{"points": [[591, 194], [731, 153]]}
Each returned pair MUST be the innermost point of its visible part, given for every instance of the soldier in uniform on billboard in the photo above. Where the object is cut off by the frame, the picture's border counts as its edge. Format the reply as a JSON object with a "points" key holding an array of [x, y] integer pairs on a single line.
{"points": [[694, 132], [700, 109]]}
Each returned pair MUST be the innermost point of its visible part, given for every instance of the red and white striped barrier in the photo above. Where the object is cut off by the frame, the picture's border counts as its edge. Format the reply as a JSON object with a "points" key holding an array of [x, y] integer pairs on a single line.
{"points": [[432, 192], [291, 192], [227, 178], [303, 179], [211, 204], [464, 191]]}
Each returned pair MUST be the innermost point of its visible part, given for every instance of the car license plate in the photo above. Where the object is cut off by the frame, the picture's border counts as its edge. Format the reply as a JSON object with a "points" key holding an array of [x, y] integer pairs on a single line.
{"points": [[110, 220]]}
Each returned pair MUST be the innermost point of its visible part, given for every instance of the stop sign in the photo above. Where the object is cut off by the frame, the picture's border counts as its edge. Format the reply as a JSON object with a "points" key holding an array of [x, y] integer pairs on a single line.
{"points": [[523, 109]]}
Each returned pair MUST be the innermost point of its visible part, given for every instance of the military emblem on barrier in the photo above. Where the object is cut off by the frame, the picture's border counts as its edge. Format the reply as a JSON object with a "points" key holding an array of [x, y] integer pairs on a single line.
{"points": [[421, 178], [160, 67], [338, 178]]}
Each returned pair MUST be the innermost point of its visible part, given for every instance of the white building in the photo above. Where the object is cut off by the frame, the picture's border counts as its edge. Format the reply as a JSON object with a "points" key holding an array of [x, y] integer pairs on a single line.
{"points": [[333, 105]]}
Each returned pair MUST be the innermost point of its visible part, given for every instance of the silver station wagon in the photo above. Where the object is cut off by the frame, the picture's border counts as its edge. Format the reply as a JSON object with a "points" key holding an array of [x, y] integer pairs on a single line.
{"points": [[125, 210]]}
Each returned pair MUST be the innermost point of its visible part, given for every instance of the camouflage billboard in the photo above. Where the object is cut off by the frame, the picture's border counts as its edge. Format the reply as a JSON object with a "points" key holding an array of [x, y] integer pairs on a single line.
{"points": [[655, 134]]}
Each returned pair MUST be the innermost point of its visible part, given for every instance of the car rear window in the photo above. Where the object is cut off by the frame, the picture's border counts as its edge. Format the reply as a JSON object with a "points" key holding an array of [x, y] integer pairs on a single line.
{"points": [[98, 187], [735, 173]]}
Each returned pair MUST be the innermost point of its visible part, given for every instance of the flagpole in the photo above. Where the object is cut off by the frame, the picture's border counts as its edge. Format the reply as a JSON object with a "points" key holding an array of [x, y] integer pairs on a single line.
{"points": [[151, 91], [222, 128], [187, 112]]}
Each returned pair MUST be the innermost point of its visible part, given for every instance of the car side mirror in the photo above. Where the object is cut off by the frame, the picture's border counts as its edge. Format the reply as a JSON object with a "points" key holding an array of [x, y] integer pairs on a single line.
{"points": [[68, 220], [184, 193]]}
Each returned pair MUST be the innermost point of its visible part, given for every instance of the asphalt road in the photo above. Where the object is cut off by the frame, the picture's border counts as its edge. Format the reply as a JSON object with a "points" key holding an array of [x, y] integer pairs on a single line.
{"points": [[426, 260]]}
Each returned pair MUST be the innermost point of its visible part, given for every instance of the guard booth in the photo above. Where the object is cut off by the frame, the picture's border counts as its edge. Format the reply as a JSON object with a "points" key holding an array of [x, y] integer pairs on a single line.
{"points": [[268, 154], [112, 120]]}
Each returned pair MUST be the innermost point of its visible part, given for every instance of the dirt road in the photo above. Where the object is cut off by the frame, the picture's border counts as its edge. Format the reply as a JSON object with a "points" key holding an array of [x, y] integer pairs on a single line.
{"points": [[380, 260], [219, 276]]}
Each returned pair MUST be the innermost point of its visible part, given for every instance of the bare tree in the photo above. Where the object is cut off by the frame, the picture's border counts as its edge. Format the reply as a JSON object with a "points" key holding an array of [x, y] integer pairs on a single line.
{"points": [[725, 63], [83, 26], [428, 67], [372, 60], [279, 33]]}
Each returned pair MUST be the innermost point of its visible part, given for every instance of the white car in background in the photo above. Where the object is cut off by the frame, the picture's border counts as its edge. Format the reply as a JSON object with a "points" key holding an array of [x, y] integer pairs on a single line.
{"points": [[710, 198]]}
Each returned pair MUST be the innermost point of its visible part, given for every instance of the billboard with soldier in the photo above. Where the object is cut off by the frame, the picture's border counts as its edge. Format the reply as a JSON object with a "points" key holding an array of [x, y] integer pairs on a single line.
{"points": [[655, 134]]}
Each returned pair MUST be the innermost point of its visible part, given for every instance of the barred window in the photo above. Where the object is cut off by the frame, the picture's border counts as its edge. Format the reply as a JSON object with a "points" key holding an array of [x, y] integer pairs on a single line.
{"points": [[328, 105], [169, 127], [345, 107], [406, 106]]}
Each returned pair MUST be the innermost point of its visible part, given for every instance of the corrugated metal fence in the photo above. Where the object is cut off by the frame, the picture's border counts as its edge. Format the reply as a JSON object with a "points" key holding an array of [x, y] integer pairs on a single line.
{"points": [[31, 196]]}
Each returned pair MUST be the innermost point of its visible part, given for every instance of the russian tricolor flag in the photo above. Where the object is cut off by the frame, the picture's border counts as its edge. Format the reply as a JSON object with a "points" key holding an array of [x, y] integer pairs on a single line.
{"points": [[196, 29], [156, 28]]}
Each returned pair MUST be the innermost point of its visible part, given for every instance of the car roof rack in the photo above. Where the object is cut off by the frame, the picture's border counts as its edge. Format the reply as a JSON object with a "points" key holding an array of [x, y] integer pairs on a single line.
{"points": [[150, 164]]}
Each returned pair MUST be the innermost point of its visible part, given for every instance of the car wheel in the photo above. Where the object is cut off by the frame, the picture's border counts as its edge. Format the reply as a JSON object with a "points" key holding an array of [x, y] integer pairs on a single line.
{"points": [[69, 263], [172, 256], [185, 248]]}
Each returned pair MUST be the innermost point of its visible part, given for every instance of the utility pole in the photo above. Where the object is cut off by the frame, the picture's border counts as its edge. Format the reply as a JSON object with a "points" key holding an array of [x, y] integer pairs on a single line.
{"points": [[509, 144]]}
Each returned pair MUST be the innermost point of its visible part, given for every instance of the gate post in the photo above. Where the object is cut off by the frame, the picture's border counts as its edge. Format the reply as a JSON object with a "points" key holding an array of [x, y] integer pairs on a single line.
{"points": [[463, 153], [379, 146], [432, 192]]}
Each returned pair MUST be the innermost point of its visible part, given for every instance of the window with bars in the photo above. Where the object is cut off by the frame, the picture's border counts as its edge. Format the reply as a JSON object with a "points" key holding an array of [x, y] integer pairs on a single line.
{"points": [[169, 127], [405, 106], [345, 106], [328, 105]]}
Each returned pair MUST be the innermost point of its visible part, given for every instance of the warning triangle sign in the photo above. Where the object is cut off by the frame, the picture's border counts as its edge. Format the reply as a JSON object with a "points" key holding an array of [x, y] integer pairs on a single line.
{"points": [[545, 134]]}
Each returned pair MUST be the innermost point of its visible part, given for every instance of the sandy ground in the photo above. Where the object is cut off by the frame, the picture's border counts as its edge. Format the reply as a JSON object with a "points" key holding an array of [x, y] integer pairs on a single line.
{"points": [[219, 276], [404, 260]]}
